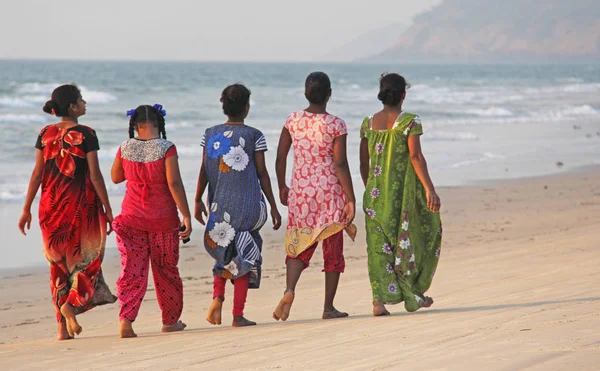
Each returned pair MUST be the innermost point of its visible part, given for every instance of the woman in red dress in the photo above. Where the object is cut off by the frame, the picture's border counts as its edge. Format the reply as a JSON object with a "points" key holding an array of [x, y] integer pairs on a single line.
{"points": [[74, 210]]}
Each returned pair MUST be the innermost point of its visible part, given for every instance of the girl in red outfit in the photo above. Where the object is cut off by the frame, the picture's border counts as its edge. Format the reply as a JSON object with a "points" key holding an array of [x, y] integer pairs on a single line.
{"points": [[74, 210], [148, 228]]}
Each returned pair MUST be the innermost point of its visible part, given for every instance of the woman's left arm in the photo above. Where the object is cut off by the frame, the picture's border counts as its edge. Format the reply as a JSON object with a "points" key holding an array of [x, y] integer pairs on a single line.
{"points": [[34, 185], [117, 173]]}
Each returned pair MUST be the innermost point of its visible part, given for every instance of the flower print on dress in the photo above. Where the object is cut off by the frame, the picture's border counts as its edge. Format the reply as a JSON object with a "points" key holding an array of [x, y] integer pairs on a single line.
{"points": [[217, 145], [370, 212], [223, 233], [379, 148], [419, 299], [392, 288], [226, 274], [386, 248], [237, 158], [377, 171], [437, 252], [405, 244], [405, 225], [374, 193], [379, 229], [232, 268], [54, 148], [210, 224], [398, 261], [389, 268]]}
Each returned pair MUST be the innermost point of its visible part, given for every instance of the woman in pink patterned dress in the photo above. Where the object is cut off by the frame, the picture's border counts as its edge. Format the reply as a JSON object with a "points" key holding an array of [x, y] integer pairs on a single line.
{"points": [[321, 201]]}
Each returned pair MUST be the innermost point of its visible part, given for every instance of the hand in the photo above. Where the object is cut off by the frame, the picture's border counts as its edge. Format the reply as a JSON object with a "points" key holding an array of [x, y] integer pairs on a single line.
{"points": [[433, 201], [276, 218], [283, 195], [348, 213], [185, 234], [199, 211], [25, 220], [109, 220]]}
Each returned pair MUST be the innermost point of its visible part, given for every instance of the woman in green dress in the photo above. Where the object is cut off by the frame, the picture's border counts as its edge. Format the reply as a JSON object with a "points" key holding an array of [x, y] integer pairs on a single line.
{"points": [[404, 230]]}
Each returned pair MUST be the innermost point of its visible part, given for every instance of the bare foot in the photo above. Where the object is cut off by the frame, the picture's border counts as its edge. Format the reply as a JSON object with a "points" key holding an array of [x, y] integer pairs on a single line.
{"points": [[427, 302], [334, 314], [126, 329], [282, 312], [214, 313], [179, 326], [240, 321], [63, 334], [72, 325], [379, 309]]}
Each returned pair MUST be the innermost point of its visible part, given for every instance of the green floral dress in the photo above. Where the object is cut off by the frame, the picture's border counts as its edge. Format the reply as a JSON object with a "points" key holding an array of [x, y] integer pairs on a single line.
{"points": [[403, 236]]}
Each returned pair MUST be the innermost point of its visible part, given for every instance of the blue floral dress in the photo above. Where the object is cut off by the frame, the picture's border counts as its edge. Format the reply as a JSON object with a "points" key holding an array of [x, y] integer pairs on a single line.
{"points": [[237, 208]]}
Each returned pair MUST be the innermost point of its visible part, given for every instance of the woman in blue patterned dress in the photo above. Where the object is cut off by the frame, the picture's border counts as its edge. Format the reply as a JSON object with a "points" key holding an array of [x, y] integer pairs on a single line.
{"points": [[233, 168]]}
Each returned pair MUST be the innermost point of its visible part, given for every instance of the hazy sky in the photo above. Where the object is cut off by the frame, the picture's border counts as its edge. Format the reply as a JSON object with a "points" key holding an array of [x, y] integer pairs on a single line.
{"points": [[248, 30]]}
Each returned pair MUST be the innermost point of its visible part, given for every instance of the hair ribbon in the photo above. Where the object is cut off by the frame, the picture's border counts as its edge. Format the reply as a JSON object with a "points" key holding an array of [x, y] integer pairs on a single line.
{"points": [[159, 110]]}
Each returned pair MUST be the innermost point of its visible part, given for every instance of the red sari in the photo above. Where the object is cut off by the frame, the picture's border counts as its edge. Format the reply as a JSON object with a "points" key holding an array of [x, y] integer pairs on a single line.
{"points": [[72, 219]]}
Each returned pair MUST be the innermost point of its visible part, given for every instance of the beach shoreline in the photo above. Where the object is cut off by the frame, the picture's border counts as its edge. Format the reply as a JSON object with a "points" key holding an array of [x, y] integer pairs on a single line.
{"points": [[516, 288], [10, 212]]}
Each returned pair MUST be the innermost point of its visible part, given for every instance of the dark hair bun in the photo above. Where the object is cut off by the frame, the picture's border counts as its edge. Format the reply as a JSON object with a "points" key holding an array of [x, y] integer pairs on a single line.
{"points": [[392, 87], [49, 107], [235, 98], [62, 98], [317, 88]]}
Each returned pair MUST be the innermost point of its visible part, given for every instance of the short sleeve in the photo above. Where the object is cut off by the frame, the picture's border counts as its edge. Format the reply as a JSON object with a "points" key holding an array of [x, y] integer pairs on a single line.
{"points": [[340, 127], [288, 122], [363, 128], [90, 141], [172, 151], [261, 143], [415, 127], [38, 142], [203, 141]]}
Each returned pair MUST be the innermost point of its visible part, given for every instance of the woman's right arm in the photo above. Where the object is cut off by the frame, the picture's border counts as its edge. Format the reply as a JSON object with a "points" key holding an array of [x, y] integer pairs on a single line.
{"points": [[178, 192], [420, 165], [34, 185], [285, 143], [365, 161], [340, 160]]}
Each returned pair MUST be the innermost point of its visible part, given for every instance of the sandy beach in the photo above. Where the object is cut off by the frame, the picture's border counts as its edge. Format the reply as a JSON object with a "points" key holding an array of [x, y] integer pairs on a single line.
{"points": [[516, 288]]}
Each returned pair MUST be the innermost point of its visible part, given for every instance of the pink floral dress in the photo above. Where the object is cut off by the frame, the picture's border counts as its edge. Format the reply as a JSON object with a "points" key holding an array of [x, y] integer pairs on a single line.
{"points": [[316, 198]]}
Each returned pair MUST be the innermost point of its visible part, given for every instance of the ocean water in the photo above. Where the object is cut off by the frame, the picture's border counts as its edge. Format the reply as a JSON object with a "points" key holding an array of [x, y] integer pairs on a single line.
{"points": [[481, 122]]}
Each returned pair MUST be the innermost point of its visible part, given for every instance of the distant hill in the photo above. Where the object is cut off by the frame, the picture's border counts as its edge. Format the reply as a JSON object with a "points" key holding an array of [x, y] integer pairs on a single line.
{"points": [[363, 46], [500, 31]]}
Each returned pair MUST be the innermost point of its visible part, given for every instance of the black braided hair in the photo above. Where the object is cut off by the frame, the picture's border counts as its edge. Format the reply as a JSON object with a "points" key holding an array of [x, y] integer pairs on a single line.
{"points": [[147, 114], [132, 123], [161, 126]]}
